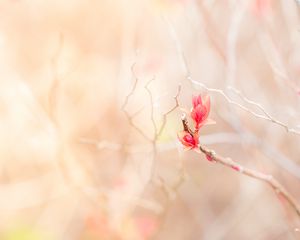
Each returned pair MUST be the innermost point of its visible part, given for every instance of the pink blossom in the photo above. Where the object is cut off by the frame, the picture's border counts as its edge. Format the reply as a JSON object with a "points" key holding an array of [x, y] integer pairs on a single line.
{"points": [[200, 110], [188, 140], [209, 158]]}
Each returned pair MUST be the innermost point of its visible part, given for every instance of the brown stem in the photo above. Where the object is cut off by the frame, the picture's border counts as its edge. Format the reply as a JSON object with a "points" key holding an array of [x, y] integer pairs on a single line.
{"points": [[269, 179], [186, 125]]}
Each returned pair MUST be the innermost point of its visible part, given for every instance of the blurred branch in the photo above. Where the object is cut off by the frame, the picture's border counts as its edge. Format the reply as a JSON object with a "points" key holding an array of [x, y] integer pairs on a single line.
{"points": [[269, 179], [158, 130], [232, 38], [247, 138], [53, 91], [155, 136], [165, 115], [127, 114], [211, 29], [151, 108], [244, 136], [177, 43], [277, 62], [265, 115]]}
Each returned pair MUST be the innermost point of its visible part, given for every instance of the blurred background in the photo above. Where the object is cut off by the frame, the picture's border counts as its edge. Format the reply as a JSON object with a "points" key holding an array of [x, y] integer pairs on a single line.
{"points": [[89, 121]]}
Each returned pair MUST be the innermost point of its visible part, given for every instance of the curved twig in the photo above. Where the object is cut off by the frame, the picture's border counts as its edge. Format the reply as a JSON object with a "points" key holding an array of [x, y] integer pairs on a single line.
{"points": [[269, 179]]}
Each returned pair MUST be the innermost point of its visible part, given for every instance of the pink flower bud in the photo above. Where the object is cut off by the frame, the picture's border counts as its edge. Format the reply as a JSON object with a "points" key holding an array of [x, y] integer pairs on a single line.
{"points": [[188, 140], [236, 168], [200, 110], [209, 158]]}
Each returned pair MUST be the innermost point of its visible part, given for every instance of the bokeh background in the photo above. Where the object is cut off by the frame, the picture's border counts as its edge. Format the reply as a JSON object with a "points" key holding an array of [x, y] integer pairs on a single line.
{"points": [[88, 122]]}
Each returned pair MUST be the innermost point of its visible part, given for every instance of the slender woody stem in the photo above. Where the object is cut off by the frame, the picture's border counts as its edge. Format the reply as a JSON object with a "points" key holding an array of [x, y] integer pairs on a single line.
{"points": [[269, 179]]}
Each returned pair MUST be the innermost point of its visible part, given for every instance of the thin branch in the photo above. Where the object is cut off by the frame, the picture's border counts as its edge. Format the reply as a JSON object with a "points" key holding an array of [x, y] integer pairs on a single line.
{"points": [[212, 30], [174, 36], [133, 88], [276, 61], [130, 117], [265, 115], [269, 179], [153, 141], [123, 108], [165, 115], [151, 108], [247, 137], [158, 130]]}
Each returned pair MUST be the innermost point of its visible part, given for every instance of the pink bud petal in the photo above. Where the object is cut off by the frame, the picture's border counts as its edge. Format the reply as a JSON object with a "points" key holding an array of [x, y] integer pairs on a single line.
{"points": [[209, 158], [237, 168]]}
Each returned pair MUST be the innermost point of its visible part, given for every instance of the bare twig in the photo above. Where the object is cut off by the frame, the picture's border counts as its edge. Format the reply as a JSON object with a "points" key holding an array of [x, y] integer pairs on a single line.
{"points": [[165, 115], [127, 114], [133, 88], [142, 147], [130, 117], [153, 140], [265, 115], [212, 31], [269, 179], [151, 108], [159, 130], [277, 62]]}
